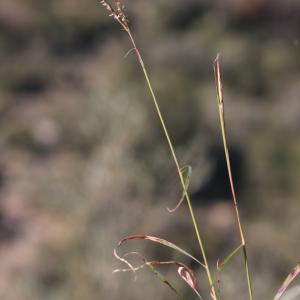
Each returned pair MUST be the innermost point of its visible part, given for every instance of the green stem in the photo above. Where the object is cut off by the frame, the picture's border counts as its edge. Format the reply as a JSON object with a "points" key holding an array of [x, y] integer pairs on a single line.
{"points": [[220, 99], [176, 162]]}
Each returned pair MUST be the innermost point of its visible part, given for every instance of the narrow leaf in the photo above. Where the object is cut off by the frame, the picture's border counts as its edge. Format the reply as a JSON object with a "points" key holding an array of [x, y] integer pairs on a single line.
{"points": [[221, 266], [185, 169], [156, 240]]}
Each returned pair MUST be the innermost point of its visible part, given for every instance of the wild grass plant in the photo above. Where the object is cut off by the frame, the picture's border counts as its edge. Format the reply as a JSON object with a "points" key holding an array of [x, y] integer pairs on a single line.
{"points": [[116, 10]]}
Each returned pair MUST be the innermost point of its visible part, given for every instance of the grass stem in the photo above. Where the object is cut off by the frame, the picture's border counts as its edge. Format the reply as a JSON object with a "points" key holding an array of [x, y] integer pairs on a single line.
{"points": [[170, 143], [220, 99]]}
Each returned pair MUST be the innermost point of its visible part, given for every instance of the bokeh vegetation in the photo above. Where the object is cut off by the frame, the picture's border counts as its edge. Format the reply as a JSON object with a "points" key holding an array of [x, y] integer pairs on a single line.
{"points": [[84, 162]]}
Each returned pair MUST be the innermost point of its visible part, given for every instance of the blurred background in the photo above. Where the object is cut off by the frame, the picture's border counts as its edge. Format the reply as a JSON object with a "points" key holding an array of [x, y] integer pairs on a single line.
{"points": [[84, 162]]}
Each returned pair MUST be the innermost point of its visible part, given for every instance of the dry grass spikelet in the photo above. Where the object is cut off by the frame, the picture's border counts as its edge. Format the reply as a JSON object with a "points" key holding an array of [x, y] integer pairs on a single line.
{"points": [[117, 12]]}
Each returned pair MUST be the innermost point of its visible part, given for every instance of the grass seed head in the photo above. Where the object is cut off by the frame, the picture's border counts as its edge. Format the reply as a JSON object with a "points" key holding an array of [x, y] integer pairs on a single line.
{"points": [[117, 12]]}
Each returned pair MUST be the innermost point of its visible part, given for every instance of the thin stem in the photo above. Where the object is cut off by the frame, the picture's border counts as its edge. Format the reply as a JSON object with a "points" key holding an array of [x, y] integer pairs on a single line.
{"points": [[196, 227], [227, 157]]}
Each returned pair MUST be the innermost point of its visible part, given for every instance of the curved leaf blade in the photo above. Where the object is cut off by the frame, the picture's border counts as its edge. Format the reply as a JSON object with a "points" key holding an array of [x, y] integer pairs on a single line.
{"points": [[156, 240], [185, 169]]}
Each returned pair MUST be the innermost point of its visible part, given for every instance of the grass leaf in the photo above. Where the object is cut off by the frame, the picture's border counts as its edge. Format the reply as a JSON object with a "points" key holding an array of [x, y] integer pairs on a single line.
{"points": [[185, 169], [156, 240], [226, 260]]}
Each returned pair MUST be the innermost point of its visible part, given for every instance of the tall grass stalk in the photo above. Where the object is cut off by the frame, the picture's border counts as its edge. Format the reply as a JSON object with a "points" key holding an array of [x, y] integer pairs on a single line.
{"points": [[220, 99], [119, 15]]}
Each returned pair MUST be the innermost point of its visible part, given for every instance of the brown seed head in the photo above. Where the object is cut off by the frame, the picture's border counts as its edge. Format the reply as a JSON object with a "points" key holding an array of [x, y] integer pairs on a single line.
{"points": [[118, 13]]}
